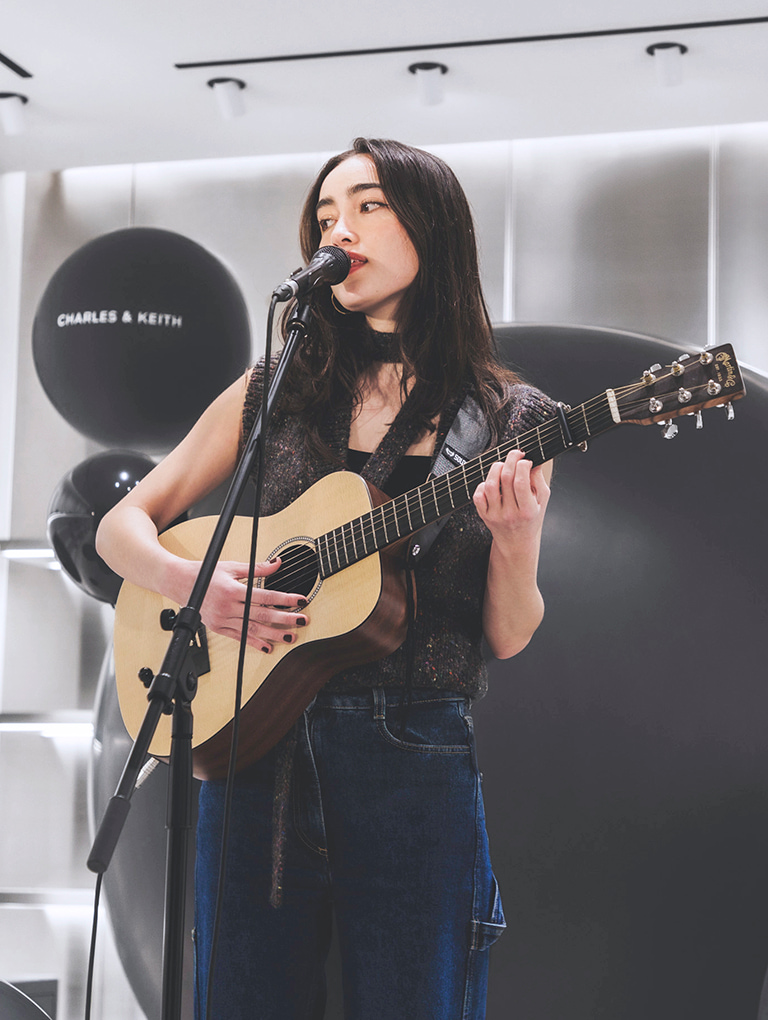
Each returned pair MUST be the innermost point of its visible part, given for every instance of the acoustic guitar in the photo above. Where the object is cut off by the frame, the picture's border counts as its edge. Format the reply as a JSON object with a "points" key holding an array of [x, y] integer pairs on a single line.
{"points": [[336, 543]]}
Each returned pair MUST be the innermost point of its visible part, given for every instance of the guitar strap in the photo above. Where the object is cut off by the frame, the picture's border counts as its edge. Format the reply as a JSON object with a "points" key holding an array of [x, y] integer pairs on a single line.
{"points": [[468, 436]]}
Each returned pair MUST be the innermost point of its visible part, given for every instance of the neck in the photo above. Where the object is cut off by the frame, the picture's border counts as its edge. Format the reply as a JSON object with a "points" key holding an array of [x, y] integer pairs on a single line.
{"points": [[382, 379], [381, 325]]}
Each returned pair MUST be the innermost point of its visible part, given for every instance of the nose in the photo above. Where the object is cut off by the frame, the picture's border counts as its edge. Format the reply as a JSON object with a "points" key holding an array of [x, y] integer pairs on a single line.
{"points": [[342, 231]]}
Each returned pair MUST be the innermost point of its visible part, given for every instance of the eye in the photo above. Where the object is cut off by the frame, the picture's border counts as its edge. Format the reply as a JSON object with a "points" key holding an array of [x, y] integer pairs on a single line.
{"points": [[370, 204], [324, 224]]}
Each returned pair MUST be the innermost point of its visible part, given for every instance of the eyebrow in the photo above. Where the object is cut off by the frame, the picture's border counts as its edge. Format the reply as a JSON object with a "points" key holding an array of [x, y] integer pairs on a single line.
{"points": [[354, 190]]}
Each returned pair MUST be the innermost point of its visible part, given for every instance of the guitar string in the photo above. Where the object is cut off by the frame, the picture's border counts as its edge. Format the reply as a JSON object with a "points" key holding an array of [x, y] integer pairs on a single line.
{"points": [[303, 567]]}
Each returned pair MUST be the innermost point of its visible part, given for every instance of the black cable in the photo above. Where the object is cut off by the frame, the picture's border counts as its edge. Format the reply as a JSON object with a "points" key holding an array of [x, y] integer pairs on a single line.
{"points": [[232, 768], [92, 953]]}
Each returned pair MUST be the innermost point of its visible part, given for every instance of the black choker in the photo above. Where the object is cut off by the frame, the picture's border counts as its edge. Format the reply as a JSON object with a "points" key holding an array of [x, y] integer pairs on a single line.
{"points": [[382, 346]]}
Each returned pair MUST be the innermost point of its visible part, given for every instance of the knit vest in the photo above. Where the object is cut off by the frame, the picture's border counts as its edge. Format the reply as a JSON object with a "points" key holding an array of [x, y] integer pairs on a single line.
{"points": [[446, 633]]}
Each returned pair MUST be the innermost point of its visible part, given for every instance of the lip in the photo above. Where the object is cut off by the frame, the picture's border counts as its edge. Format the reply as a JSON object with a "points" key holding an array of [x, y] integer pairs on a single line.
{"points": [[357, 261]]}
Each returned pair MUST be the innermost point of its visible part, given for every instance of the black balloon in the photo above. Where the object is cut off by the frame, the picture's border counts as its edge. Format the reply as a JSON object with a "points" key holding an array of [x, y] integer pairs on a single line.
{"points": [[80, 500], [136, 333]]}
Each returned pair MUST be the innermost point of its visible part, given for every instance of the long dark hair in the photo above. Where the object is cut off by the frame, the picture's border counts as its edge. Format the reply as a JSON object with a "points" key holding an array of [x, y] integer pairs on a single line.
{"points": [[443, 327]]}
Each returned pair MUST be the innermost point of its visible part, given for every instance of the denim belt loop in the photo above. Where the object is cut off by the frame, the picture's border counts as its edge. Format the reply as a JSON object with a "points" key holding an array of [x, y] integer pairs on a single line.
{"points": [[379, 703]]}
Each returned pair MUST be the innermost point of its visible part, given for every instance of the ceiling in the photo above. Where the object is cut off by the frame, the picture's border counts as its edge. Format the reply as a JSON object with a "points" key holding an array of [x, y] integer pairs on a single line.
{"points": [[104, 87]]}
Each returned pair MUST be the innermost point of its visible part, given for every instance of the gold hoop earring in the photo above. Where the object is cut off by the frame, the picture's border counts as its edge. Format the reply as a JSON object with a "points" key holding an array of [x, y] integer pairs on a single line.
{"points": [[338, 305]]}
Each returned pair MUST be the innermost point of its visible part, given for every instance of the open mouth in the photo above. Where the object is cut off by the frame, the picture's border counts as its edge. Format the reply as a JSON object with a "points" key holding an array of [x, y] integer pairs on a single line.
{"points": [[356, 260]]}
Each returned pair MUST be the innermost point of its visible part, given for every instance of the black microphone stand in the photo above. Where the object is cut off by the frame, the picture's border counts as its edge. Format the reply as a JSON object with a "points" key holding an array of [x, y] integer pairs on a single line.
{"points": [[172, 690]]}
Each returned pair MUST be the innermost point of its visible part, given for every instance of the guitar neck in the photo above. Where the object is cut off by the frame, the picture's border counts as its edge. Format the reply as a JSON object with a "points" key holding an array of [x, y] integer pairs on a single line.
{"points": [[440, 496]]}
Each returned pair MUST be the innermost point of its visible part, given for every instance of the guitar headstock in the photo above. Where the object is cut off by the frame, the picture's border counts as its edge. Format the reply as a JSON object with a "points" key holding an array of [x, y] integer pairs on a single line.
{"points": [[687, 386]]}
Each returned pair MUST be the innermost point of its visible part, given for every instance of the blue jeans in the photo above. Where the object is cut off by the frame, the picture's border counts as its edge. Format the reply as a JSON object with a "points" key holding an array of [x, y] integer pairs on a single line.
{"points": [[386, 834]]}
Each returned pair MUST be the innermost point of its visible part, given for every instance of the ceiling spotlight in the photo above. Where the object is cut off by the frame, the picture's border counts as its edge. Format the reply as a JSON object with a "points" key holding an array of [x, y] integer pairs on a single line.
{"points": [[668, 57], [430, 81], [12, 112], [229, 96]]}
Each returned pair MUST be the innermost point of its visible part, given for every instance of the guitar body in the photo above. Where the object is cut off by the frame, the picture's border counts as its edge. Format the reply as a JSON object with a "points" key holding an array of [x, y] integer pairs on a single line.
{"points": [[355, 616]]}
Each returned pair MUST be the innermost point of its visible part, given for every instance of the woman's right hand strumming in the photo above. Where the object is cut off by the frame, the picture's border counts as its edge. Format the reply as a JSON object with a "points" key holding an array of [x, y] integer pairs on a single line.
{"points": [[274, 616]]}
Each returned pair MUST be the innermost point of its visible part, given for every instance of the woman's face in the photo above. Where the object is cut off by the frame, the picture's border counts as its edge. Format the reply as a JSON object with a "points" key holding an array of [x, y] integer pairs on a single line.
{"points": [[353, 214]]}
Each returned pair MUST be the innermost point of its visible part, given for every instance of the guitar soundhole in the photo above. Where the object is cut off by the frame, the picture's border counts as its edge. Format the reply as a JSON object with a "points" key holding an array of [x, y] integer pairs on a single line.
{"points": [[298, 571]]}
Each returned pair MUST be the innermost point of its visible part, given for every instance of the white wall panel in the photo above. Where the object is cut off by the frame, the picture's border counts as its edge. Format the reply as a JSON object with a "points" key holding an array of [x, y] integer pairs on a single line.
{"points": [[743, 243], [613, 231], [12, 189], [245, 211], [483, 171]]}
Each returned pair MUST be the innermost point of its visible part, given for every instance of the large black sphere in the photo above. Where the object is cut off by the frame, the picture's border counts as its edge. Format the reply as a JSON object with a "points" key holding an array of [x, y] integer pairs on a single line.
{"points": [[624, 751], [136, 333], [15, 1005], [134, 882], [79, 501]]}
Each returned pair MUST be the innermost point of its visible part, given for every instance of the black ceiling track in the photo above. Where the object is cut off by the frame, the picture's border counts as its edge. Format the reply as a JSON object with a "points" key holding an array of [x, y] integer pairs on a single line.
{"points": [[14, 67], [556, 37]]}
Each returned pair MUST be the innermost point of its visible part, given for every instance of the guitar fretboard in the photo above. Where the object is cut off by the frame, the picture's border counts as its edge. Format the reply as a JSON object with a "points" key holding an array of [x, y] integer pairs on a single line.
{"points": [[445, 493]]}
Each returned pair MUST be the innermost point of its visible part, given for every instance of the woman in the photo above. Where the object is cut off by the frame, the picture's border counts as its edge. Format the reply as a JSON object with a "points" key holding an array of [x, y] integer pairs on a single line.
{"points": [[385, 830]]}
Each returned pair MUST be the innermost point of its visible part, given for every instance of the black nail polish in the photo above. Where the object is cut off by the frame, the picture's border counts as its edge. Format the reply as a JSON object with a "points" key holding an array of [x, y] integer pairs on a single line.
{"points": [[301, 621], [288, 638]]}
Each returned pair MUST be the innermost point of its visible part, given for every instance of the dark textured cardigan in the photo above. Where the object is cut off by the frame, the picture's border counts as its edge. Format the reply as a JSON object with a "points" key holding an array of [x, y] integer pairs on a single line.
{"points": [[446, 633]]}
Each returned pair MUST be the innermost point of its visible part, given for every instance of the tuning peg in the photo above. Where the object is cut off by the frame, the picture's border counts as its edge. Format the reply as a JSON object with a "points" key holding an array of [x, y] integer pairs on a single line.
{"points": [[677, 366], [670, 430], [729, 412]]}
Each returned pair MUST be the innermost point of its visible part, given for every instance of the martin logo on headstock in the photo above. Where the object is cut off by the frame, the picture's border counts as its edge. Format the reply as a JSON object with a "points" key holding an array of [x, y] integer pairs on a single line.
{"points": [[730, 377]]}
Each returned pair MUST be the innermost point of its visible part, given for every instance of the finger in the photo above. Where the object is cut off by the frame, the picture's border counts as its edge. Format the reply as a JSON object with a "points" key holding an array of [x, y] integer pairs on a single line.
{"points": [[539, 479], [275, 620], [499, 486], [265, 596], [487, 494], [261, 569], [514, 478], [536, 484], [269, 599], [520, 481]]}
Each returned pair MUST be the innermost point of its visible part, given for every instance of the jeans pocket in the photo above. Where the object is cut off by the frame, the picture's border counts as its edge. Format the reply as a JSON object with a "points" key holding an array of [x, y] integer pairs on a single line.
{"points": [[483, 933], [431, 727]]}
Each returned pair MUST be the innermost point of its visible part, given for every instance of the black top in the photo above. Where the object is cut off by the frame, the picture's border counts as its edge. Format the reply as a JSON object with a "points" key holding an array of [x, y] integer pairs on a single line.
{"points": [[409, 471]]}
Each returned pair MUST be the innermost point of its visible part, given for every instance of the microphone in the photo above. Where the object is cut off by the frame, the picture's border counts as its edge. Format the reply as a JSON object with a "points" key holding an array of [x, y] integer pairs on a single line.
{"points": [[327, 265]]}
